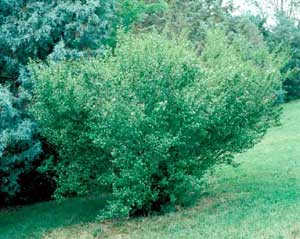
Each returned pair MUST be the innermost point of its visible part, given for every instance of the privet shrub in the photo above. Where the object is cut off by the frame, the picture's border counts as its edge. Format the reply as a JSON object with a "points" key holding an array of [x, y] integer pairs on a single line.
{"points": [[151, 119]]}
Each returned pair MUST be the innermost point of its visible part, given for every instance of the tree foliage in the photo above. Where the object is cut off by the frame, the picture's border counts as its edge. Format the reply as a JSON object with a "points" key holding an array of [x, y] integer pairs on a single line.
{"points": [[151, 119], [195, 18], [285, 37], [18, 145], [35, 29]]}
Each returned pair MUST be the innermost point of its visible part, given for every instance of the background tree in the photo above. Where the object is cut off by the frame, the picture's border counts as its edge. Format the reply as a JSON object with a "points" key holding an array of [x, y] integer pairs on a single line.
{"points": [[278, 21], [19, 146], [285, 37], [194, 18], [290, 8]]}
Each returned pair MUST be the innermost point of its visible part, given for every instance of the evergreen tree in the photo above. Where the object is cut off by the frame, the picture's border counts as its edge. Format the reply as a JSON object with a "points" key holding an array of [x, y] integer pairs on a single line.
{"points": [[19, 146]]}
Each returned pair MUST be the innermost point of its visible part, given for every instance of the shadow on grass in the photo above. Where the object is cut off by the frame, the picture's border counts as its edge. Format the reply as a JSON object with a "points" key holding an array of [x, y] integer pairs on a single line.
{"points": [[32, 221]]}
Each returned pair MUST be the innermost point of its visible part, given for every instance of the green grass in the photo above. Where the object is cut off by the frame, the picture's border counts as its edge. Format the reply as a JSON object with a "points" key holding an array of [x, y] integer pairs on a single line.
{"points": [[259, 199], [33, 221]]}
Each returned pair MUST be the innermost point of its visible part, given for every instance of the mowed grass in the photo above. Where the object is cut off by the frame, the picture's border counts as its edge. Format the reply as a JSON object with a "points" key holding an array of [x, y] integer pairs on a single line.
{"points": [[259, 199], [35, 220]]}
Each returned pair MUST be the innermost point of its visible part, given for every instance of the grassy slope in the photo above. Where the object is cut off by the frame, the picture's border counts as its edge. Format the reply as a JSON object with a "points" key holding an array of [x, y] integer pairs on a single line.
{"points": [[259, 199]]}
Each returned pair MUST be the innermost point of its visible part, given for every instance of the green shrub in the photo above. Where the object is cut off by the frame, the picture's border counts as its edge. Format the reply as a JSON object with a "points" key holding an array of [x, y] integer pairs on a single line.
{"points": [[151, 119]]}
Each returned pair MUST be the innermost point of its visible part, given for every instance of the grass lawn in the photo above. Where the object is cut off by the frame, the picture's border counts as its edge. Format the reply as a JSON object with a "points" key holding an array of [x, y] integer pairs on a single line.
{"points": [[35, 220], [259, 199]]}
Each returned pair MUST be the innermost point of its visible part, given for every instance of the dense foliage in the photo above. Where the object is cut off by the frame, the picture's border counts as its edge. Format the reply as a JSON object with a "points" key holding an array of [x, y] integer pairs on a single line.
{"points": [[35, 29], [278, 21], [151, 119], [285, 36], [18, 146], [58, 30]]}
